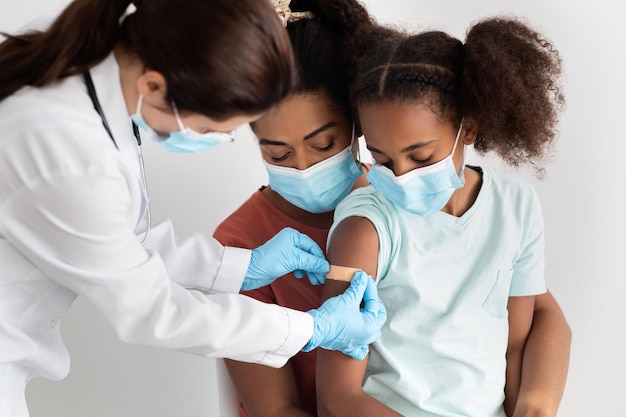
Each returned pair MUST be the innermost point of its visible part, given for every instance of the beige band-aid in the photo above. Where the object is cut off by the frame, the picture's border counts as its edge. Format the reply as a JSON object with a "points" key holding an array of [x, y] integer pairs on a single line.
{"points": [[341, 273]]}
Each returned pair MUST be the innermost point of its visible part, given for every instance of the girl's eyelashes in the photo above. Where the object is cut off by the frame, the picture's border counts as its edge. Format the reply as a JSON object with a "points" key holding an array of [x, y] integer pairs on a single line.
{"points": [[422, 161], [389, 163]]}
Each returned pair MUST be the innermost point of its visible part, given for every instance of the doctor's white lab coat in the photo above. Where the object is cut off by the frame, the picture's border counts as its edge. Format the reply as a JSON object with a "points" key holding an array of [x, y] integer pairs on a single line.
{"points": [[70, 205]]}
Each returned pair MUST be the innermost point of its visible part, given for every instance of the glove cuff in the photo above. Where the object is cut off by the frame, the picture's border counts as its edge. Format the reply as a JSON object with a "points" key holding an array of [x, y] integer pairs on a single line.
{"points": [[315, 341]]}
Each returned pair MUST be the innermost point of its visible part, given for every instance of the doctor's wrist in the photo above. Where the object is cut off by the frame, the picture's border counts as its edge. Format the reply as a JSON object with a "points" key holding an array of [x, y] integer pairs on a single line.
{"points": [[315, 339]]}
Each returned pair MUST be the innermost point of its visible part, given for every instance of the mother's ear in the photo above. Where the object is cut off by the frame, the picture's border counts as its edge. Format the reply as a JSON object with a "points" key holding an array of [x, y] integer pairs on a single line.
{"points": [[470, 130]]}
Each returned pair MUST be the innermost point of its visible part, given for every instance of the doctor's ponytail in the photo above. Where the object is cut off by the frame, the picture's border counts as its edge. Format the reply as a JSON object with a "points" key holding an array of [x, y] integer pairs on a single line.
{"points": [[81, 36]]}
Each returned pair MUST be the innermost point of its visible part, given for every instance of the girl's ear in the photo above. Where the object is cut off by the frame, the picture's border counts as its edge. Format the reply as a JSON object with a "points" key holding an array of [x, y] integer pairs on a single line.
{"points": [[470, 130], [153, 87]]}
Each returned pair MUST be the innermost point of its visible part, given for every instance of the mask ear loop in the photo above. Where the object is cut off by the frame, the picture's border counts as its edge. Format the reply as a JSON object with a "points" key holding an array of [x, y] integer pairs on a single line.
{"points": [[458, 135], [355, 148], [139, 103], [181, 126], [461, 173]]}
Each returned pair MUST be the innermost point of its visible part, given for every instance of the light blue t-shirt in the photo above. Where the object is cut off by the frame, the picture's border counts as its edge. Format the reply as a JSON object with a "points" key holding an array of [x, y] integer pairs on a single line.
{"points": [[445, 282]]}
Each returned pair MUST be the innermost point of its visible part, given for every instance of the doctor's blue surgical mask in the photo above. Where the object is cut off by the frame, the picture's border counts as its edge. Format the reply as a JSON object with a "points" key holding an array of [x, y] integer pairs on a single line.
{"points": [[319, 188], [422, 191], [183, 140]]}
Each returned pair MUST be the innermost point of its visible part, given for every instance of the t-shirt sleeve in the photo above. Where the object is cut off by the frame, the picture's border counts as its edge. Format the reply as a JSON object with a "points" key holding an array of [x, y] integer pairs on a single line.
{"points": [[368, 203], [528, 268]]}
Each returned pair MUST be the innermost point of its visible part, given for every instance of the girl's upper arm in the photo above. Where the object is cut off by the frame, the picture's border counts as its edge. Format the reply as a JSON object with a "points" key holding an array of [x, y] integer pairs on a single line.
{"points": [[354, 243]]}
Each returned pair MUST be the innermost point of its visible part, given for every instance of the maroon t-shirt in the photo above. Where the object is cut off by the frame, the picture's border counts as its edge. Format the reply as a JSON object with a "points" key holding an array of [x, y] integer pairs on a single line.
{"points": [[251, 225]]}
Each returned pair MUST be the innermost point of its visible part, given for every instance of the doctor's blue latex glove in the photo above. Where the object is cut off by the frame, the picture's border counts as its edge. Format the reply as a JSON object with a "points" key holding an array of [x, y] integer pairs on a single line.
{"points": [[288, 251], [340, 324]]}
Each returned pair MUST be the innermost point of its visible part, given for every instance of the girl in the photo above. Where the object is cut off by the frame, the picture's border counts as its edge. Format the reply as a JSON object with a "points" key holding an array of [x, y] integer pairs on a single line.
{"points": [[457, 251]]}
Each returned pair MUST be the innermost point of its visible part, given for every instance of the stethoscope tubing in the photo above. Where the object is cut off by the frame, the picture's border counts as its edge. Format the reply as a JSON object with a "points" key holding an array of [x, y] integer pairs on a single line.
{"points": [[91, 90]]}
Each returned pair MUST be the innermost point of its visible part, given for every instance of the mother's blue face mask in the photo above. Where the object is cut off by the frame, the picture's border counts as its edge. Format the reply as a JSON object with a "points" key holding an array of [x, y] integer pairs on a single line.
{"points": [[320, 187], [183, 140]]}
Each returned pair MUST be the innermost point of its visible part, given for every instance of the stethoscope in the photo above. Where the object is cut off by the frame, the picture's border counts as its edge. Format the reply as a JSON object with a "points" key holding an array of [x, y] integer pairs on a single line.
{"points": [[91, 90]]}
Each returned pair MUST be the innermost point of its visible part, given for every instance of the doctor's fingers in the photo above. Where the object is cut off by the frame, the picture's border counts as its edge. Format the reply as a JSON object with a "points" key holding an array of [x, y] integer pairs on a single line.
{"points": [[316, 267], [358, 353], [355, 291], [316, 279], [304, 242], [372, 304]]}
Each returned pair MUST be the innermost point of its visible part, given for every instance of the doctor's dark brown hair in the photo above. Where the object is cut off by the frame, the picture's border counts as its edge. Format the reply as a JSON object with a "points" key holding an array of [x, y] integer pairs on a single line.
{"points": [[219, 57], [506, 75]]}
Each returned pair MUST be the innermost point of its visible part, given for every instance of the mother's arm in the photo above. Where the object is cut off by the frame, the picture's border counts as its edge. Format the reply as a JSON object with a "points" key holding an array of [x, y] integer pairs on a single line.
{"points": [[339, 377], [537, 360], [265, 391]]}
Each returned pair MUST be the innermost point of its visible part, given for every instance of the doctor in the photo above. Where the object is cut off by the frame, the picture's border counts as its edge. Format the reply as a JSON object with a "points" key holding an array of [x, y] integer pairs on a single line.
{"points": [[74, 214]]}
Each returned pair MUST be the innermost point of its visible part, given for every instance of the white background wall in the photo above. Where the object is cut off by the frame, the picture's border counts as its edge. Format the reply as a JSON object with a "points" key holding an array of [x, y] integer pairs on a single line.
{"points": [[583, 200]]}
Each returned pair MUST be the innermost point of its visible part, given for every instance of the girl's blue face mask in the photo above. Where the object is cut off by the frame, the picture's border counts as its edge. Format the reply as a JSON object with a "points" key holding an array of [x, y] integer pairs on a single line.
{"points": [[183, 140], [319, 188], [422, 191]]}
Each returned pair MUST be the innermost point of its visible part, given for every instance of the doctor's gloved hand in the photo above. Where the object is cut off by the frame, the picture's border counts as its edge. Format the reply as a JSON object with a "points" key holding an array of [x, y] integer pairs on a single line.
{"points": [[340, 324], [288, 251]]}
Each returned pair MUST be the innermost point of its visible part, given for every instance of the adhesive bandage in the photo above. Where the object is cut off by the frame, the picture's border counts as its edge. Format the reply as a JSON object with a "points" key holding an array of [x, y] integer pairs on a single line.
{"points": [[341, 273]]}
